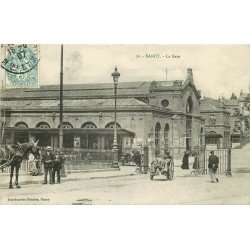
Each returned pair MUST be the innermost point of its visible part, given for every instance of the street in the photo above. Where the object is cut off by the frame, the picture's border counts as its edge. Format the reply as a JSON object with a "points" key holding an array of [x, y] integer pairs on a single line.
{"points": [[138, 189]]}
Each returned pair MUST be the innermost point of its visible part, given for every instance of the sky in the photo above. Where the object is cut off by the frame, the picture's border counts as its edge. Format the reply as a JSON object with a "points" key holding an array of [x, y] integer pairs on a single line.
{"points": [[218, 70]]}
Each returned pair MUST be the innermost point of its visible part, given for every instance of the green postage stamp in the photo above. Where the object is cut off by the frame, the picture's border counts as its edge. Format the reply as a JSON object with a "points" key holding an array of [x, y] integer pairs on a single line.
{"points": [[21, 65]]}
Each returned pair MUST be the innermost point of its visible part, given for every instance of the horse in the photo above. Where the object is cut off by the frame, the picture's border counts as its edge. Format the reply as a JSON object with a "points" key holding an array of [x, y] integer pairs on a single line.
{"points": [[14, 155]]}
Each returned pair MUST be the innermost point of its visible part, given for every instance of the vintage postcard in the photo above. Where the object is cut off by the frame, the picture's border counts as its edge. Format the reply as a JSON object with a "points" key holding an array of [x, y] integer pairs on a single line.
{"points": [[124, 124]]}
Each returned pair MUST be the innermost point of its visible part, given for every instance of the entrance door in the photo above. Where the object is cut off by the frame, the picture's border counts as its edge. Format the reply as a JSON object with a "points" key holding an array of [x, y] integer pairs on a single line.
{"points": [[44, 139], [21, 137]]}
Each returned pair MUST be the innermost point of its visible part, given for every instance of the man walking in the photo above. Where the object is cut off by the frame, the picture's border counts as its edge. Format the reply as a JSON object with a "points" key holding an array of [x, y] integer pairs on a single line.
{"points": [[57, 167], [136, 158], [213, 162], [48, 160], [167, 160]]}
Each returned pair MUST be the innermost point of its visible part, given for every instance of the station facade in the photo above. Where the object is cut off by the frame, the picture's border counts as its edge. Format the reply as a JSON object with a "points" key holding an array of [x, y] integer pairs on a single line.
{"points": [[158, 115]]}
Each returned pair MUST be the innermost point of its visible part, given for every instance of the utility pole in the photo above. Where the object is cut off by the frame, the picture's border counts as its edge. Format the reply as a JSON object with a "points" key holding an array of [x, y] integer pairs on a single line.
{"points": [[61, 114], [61, 104]]}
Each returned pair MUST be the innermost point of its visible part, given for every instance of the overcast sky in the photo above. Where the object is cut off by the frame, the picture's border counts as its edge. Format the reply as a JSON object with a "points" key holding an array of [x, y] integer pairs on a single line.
{"points": [[218, 70]]}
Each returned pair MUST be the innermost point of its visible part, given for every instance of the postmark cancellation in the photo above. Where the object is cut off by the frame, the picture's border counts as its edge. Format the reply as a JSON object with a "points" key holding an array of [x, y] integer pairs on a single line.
{"points": [[20, 64]]}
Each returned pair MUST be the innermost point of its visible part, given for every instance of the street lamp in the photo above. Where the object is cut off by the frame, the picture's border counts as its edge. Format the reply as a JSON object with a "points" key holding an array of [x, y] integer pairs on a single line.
{"points": [[61, 113], [115, 164]]}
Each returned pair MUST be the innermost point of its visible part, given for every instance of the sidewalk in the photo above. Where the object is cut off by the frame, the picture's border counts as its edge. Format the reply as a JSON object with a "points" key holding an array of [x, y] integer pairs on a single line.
{"points": [[27, 179]]}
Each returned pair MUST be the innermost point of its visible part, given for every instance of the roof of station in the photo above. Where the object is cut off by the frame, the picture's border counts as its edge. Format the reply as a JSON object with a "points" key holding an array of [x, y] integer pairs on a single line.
{"points": [[87, 91]]}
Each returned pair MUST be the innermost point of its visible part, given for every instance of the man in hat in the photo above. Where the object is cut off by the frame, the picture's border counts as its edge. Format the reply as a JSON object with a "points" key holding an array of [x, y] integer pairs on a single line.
{"points": [[48, 160], [167, 160], [57, 166], [136, 158], [213, 162]]}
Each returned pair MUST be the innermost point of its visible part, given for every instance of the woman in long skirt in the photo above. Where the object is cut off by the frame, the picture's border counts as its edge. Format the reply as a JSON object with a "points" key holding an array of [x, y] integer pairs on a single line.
{"points": [[185, 163]]}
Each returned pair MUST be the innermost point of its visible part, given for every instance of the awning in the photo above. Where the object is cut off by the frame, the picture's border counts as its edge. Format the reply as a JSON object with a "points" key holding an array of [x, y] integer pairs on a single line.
{"points": [[213, 134], [78, 131]]}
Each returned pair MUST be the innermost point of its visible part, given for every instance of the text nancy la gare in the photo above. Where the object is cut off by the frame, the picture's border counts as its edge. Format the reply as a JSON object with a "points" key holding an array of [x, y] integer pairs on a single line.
{"points": [[157, 56]]}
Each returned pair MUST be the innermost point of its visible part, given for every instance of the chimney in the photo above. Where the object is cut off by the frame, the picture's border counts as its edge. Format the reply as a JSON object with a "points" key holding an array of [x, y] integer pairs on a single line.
{"points": [[190, 75]]}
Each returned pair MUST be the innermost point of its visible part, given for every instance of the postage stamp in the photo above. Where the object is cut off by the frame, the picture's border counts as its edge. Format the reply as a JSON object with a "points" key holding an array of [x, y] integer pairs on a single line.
{"points": [[21, 65]]}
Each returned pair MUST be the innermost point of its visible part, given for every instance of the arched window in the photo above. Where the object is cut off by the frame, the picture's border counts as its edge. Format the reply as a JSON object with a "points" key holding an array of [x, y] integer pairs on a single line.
{"points": [[88, 125], [21, 125], [42, 125], [66, 125], [89, 141], [112, 125], [157, 139], [189, 105], [166, 136], [188, 133], [201, 137]]}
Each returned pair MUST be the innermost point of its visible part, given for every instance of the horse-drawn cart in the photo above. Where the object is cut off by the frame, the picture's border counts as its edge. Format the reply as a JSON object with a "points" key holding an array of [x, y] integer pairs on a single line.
{"points": [[163, 167]]}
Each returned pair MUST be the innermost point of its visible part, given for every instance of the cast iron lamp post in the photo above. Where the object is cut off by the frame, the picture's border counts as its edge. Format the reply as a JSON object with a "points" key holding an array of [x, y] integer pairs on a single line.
{"points": [[115, 164], [61, 113]]}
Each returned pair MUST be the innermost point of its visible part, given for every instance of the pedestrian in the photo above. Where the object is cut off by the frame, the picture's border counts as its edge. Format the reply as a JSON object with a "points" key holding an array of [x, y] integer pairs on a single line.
{"points": [[185, 162], [136, 158], [167, 160], [196, 162], [57, 166], [213, 162], [48, 160]]}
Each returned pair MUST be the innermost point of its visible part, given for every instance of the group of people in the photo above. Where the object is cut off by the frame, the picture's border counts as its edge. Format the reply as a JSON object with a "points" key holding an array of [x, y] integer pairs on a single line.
{"points": [[213, 162], [185, 160], [53, 163]]}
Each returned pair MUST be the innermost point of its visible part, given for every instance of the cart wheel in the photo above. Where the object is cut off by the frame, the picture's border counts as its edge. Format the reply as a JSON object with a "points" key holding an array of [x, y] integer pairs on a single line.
{"points": [[167, 175], [151, 176]]}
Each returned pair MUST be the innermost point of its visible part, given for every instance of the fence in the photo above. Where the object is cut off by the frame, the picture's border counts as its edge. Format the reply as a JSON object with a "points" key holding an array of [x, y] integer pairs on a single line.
{"points": [[74, 161], [94, 159], [224, 155]]}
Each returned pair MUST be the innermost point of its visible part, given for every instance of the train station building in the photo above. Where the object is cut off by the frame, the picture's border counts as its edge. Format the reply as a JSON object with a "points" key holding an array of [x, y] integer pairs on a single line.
{"points": [[158, 115]]}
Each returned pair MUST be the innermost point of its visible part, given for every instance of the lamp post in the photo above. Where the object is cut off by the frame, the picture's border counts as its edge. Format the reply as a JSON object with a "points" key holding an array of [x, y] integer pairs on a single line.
{"points": [[61, 113], [115, 164]]}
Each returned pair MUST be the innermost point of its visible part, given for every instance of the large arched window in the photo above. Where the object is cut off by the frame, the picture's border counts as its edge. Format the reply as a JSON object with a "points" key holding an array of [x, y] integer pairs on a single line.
{"points": [[42, 125], [188, 133], [66, 125], [189, 105], [201, 137], [157, 139], [166, 138], [112, 125], [88, 125], [21, 125], [89, 141]]}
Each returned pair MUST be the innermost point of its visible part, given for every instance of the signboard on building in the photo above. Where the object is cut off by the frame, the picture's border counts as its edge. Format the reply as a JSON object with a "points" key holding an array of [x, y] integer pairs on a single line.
{"points": [[77, 142]]}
